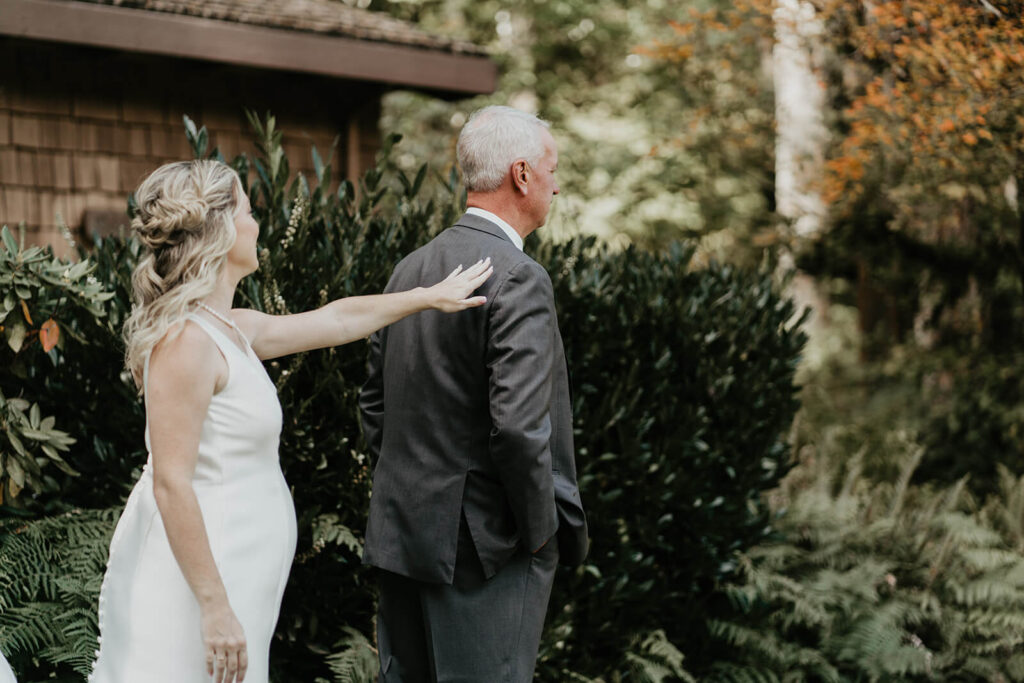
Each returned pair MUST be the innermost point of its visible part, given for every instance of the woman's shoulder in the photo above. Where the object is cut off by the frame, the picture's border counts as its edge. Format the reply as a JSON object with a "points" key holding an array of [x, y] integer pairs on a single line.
{"points": [[250, 321], [187, 346]]}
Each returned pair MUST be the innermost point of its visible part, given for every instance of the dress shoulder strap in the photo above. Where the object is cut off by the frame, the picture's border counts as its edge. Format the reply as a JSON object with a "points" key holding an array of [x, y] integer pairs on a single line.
{"points": [[219, 338], [226, 346]]}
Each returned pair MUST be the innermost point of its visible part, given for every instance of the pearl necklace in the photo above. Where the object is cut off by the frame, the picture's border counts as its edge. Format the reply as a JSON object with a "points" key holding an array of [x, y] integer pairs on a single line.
{"points": [[227, 321]]}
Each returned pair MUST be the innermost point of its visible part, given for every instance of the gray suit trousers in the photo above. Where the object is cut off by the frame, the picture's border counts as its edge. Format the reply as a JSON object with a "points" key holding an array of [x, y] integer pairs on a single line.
{"points": [[475, 630]]}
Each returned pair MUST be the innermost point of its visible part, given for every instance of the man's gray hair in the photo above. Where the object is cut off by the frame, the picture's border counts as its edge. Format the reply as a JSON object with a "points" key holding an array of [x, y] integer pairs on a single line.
{"points": [[492, 140]]}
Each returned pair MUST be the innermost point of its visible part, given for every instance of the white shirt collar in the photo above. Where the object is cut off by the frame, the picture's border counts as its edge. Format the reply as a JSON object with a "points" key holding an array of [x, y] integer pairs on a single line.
{"points": [[506, 228]]}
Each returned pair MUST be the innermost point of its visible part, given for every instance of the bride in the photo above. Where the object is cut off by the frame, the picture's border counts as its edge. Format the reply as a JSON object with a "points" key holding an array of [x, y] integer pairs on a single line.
{"points": [[199, 559]]}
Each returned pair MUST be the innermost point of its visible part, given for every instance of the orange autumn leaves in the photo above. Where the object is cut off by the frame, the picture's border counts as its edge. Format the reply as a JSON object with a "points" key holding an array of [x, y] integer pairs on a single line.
{"points": [[48, 332], [928, 92], [943, 93]]}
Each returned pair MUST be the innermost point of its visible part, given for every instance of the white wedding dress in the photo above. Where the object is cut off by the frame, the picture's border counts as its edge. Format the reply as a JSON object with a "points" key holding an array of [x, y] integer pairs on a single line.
{"points": [[6, 675], [148, 615]]}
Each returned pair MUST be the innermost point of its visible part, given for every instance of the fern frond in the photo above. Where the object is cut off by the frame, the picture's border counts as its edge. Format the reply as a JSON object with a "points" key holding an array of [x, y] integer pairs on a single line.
{"points": [[52, 569], [733, 673], [658, 660], [356, 662], [988, 559], [989, 590]]}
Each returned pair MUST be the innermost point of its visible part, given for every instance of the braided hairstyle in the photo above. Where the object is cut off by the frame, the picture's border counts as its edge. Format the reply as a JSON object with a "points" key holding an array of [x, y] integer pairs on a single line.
{"points": [[186, 223]]}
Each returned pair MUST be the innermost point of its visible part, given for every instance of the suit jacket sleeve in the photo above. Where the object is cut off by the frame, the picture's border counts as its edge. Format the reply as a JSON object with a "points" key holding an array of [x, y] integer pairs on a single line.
{"points": [[371, 397], [520, 357]]}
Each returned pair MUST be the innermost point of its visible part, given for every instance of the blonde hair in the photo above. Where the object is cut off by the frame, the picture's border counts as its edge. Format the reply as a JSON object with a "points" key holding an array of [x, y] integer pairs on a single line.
{"points": [[186, 222]]}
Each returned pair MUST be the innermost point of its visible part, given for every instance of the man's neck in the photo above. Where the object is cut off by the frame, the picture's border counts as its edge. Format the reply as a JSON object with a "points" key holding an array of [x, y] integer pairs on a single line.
{"points": [[509, 231], [501, 209]]}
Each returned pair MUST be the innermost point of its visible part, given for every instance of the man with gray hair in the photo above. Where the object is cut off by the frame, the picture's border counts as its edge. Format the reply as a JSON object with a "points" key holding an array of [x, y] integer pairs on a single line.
{"points": [[469, 422]]}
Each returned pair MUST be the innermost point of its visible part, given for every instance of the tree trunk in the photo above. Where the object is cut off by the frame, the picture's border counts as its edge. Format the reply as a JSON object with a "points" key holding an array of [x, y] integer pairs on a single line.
{"points": [[799, 107], [800, 144]]}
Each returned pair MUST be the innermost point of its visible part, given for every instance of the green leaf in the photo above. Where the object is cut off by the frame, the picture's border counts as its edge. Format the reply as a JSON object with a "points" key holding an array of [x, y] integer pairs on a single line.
{"points": [[16, 442], [421, 175], [9, 242], [62, 465], [15, 333], [190, 126], [15, 471], [318, 165], [35, 434], [19, 404]]}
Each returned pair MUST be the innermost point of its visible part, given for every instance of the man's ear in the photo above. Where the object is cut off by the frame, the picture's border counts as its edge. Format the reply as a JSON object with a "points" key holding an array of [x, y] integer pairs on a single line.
{"points": [[521, 176]]}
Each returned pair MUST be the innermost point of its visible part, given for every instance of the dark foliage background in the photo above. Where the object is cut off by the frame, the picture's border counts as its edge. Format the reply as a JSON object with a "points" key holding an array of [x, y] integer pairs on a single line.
{"points": [[683, 392]]}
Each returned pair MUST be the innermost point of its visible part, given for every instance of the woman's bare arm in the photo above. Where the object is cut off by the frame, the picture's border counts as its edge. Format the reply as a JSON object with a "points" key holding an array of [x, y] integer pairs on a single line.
{"points": [[356, 317]]}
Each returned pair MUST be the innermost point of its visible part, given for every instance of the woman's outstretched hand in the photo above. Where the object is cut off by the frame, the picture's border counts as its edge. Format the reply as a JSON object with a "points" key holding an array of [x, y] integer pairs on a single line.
{"points": [[452, 293]]}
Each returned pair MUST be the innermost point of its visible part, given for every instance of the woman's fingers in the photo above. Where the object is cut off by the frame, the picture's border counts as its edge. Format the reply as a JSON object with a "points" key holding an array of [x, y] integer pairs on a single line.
{"points": [[481, 278], [453, 293], [480, 274], [232, 666], [215, 662], [227, 662], [226, 656], [478, 267], [477, 274], [243, 664], [220, 663], [472, 271]]}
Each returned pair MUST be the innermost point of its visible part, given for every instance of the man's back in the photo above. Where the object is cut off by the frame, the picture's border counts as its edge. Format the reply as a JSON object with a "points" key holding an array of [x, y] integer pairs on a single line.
{"points": [[459, 414]]}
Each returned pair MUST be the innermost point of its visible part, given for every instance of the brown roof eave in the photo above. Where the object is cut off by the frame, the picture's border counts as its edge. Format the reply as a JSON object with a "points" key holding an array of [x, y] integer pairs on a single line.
{"points": [[149, 32]]}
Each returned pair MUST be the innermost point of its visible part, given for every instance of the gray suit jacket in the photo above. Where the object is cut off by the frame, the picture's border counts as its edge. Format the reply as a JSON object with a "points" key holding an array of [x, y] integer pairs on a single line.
{"points": [[469, 413]]}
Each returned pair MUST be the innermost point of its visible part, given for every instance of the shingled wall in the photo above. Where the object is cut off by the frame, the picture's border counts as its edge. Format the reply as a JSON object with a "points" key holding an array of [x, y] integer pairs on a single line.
{"points": [[80, 127]]}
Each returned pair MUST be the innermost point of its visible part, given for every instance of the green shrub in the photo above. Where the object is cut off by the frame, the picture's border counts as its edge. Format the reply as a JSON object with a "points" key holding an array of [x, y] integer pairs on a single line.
{"points": [[89, 392], [880, 582], [41, 298], [980, 423], [965, 407], [683, 391]]}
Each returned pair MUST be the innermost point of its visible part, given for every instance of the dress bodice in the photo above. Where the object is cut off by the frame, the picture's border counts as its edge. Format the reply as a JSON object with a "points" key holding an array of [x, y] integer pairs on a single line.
{"points": [[243, 422]]}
